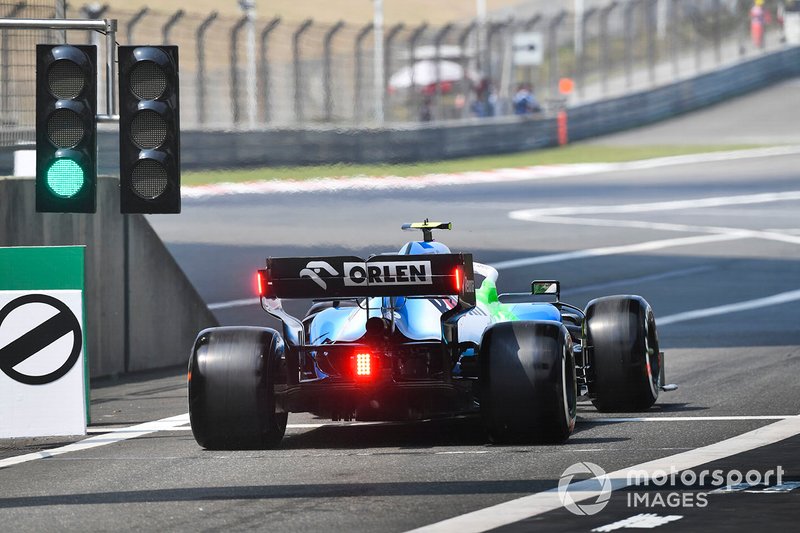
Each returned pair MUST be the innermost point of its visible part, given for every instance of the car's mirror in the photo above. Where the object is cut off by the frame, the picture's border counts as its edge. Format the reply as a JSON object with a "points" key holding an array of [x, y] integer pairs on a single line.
{"points": [[546, 288]]}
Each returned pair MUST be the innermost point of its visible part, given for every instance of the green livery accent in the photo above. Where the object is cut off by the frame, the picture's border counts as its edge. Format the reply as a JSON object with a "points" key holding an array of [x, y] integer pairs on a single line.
{"points": [[486, 297]]}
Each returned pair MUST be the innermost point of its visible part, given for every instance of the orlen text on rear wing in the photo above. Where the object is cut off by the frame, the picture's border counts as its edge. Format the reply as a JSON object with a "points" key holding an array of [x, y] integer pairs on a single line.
{"points": [[381, 275]]}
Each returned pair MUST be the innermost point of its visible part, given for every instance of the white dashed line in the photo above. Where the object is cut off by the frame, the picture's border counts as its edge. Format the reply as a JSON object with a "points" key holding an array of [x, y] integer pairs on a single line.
{"points": [[639, 521]]}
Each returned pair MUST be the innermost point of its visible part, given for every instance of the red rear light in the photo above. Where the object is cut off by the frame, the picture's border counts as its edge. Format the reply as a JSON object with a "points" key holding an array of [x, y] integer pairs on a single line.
{"points": [[363, 365], [261, 278], [457, 276]]}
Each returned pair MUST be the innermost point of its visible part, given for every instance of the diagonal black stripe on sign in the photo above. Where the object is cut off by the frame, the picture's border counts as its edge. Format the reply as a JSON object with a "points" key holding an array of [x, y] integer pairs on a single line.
{"points": [[43, 335], [36, 339]]}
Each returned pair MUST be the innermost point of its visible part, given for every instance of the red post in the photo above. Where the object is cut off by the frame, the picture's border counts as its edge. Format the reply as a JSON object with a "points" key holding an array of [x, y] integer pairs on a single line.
{"points": [[757, 24], [563, 134]]}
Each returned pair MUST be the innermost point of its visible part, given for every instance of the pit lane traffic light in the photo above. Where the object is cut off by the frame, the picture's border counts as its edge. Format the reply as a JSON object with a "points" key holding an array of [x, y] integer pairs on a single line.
{"points": [[66, 129], [149, 130]]}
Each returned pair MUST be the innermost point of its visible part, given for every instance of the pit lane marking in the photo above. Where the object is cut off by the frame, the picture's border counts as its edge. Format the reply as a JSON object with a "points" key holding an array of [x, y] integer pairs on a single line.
{"points": [[117, 435], [649, 207], [543, 502], [747, 305], [639, 521], [647, 246], [612, 420]]}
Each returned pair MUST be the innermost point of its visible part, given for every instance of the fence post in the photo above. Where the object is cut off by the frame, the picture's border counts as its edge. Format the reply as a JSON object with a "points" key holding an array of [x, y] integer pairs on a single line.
{"points": [[135, 19], [393, 32], [298, 71], [412, 59], [650, 14], [672, 32], [466, 85], [605, 52], [177, 16], [552, 38], [580, 70], [717, 31], [5, 94], [494, 27], [264, 64], [437, 43], [326, 68], [362, 34], [698, 47], [237, 112], [201, 66], [96, 11], [530, 25], [628, 24]]}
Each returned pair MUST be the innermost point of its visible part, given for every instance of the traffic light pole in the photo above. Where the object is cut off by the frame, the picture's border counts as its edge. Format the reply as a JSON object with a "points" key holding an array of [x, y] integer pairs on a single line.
{"points": [[108, 27]]}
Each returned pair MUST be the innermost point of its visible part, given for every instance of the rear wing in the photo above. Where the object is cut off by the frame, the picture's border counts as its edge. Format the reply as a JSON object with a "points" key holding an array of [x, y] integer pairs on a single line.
{"points": [[380, 275]]}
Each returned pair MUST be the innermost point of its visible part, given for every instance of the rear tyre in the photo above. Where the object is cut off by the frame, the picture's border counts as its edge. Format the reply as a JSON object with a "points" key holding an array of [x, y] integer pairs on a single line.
{"points": [[621, 331], [232, 373], [527, 382]]}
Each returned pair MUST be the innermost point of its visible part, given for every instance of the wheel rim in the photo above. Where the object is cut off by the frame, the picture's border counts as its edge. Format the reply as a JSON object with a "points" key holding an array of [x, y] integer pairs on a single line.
{"points": [[569, 406], [651, 380]]}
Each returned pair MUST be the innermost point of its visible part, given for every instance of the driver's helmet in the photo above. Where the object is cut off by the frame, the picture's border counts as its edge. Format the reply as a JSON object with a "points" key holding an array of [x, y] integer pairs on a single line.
{"points": [[423, 248]]}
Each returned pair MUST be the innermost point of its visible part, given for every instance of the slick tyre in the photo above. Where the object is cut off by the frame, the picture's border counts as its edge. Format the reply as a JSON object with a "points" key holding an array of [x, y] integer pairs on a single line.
{"points": [[527, 382], [232, 373], [621, 333]]}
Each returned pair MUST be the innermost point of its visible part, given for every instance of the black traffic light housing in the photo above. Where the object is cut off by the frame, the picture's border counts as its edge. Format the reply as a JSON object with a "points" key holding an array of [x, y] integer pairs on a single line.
{"points": [[149, 130], [66, 128]]}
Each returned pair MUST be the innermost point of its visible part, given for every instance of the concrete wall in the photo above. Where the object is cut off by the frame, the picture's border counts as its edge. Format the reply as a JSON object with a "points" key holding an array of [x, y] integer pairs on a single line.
{"points": [[165, 311]]}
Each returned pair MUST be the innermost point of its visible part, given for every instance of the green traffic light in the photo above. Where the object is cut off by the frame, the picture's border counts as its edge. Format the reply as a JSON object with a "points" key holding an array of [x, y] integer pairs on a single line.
{"points": [[65, 178]]}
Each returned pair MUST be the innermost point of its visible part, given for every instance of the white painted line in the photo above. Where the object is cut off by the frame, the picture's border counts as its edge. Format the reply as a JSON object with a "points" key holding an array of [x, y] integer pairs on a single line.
{"points": [[641, 279], [650, 207], [776, 299], [611, 420], [783, 488], [117, 435], [639, 521], [727, 489], [647, 246], [467, 178], [543, 502], [125, 429]]}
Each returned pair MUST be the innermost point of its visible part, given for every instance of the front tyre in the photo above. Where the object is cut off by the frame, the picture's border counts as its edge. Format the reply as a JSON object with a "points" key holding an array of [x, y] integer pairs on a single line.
{"points": [[621, 331], [232, 373], [527, 382]]}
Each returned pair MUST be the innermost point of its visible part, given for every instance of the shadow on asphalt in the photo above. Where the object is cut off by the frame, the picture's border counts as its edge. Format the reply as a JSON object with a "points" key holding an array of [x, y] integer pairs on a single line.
{"points": [[419, 435], [264, 492]]}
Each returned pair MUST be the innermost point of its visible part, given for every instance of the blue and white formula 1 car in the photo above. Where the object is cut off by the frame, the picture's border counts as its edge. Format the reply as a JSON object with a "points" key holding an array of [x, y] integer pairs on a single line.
{"points": [[408, 336]]}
